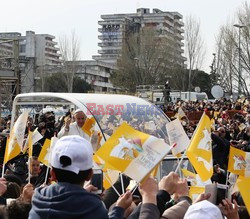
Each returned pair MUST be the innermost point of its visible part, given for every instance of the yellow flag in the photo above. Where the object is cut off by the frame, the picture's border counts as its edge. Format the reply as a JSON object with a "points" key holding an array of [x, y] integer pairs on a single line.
{"points": [[44, 154], [88, 126], [195, 191], [243, 185], [239, 162], [199, 151], [132, 152], [12, 149]]}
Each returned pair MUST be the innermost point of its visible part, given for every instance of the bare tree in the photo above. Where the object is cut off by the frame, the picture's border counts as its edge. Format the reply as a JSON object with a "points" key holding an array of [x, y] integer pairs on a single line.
{"points": [[234, 52], [194, 47], [145, 59], [70, 51]]}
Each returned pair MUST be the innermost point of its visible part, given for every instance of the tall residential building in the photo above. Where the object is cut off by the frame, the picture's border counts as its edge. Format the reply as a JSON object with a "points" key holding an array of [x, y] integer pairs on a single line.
{"points": [[96, 73], [34, 50], [115, 27]]}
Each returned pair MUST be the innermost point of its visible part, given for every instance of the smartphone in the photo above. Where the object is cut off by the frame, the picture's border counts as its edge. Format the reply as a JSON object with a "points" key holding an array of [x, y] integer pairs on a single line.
{"points": [[222, 191], [212, 189], [218, 192], [97, 180]]}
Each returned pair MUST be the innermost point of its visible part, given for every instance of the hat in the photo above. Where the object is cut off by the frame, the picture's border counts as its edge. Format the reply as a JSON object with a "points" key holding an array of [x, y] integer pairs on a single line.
{"points": [[77, 149], [204, 210]]}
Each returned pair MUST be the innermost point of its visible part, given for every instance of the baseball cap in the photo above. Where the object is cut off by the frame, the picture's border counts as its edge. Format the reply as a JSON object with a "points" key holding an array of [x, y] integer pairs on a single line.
{"points": [[77, 149], [203, 209]]}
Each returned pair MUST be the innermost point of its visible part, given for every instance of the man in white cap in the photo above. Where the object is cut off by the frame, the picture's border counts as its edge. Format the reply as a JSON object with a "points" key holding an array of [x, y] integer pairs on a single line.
{"points": [[71, 166], [74, 128]]}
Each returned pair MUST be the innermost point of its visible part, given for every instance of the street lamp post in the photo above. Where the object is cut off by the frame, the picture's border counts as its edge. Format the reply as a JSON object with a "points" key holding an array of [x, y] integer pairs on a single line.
{"points": [[239, 62]]}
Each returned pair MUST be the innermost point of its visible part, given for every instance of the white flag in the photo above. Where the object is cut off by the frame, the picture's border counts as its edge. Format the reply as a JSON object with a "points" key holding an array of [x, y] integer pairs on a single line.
{"points": [[19, 128], [177, 136]]}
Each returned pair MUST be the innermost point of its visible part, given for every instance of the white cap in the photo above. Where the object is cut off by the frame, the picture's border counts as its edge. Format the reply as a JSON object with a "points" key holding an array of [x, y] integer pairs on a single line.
{"points": [[78, 149], [204, 210]]}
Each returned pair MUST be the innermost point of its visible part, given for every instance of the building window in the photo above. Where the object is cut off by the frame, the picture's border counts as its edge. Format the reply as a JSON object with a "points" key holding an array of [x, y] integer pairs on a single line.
{"points": [[22, 49]]}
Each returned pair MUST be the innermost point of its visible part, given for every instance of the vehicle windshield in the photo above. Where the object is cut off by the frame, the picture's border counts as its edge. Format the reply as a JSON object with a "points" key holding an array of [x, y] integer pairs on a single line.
{"points": [[109, 110]]}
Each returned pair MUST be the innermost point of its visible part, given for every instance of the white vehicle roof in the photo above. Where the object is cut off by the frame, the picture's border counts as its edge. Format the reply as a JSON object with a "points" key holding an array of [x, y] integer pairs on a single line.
{"points": [[134, 110]]}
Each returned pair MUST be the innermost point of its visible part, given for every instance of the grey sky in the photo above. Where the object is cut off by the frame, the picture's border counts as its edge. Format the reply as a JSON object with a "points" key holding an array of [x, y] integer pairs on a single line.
{"points": [[58, 17]]}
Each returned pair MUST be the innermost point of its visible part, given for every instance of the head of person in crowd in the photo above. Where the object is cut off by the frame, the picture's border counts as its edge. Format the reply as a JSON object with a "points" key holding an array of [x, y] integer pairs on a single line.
{"points": [[34, 166], [80, 117], [50, 119], [18, 209], [71, 160], [204, 210], [13, 178], [222, 132], [13, 190]]}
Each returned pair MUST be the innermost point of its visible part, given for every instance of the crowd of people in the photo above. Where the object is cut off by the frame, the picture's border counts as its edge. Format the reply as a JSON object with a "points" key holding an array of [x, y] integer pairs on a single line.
{"points": [[67, 192]]}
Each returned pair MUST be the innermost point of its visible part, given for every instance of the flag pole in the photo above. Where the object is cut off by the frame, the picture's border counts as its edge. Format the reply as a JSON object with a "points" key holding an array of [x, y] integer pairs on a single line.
{"points": [[122, 184], [111, 185]]}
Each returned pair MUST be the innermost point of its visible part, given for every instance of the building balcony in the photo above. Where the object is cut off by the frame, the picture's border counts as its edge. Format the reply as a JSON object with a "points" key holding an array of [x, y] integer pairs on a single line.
{"points": [[110, 22], [100, 83], [110, 37], [180, 30], [110, 44]]}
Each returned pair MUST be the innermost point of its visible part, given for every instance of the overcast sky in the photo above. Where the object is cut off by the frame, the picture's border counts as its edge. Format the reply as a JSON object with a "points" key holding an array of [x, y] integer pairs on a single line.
{"points": [[59, 17]]}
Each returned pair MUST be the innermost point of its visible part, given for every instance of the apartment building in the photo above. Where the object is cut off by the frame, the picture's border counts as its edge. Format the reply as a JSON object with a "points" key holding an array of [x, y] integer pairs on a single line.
{"points": [[115, 27], [97, 74], [34, 50]]}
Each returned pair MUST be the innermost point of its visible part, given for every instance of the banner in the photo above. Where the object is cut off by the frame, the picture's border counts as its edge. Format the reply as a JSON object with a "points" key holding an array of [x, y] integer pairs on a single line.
{"points": [[132, 152]]}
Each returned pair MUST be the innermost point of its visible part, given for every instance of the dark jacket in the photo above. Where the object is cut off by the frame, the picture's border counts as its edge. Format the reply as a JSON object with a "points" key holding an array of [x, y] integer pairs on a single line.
{"points": [[65, 200]]}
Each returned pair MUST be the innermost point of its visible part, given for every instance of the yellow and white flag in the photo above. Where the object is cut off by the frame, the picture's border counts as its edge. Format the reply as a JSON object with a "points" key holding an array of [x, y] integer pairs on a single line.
{"points": [[239, 162], [12, 150], [199, 151], [16, 139], [36, 136], [243, 185], [19, 127], [45, 153], [177, 136], [132, 152]]}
